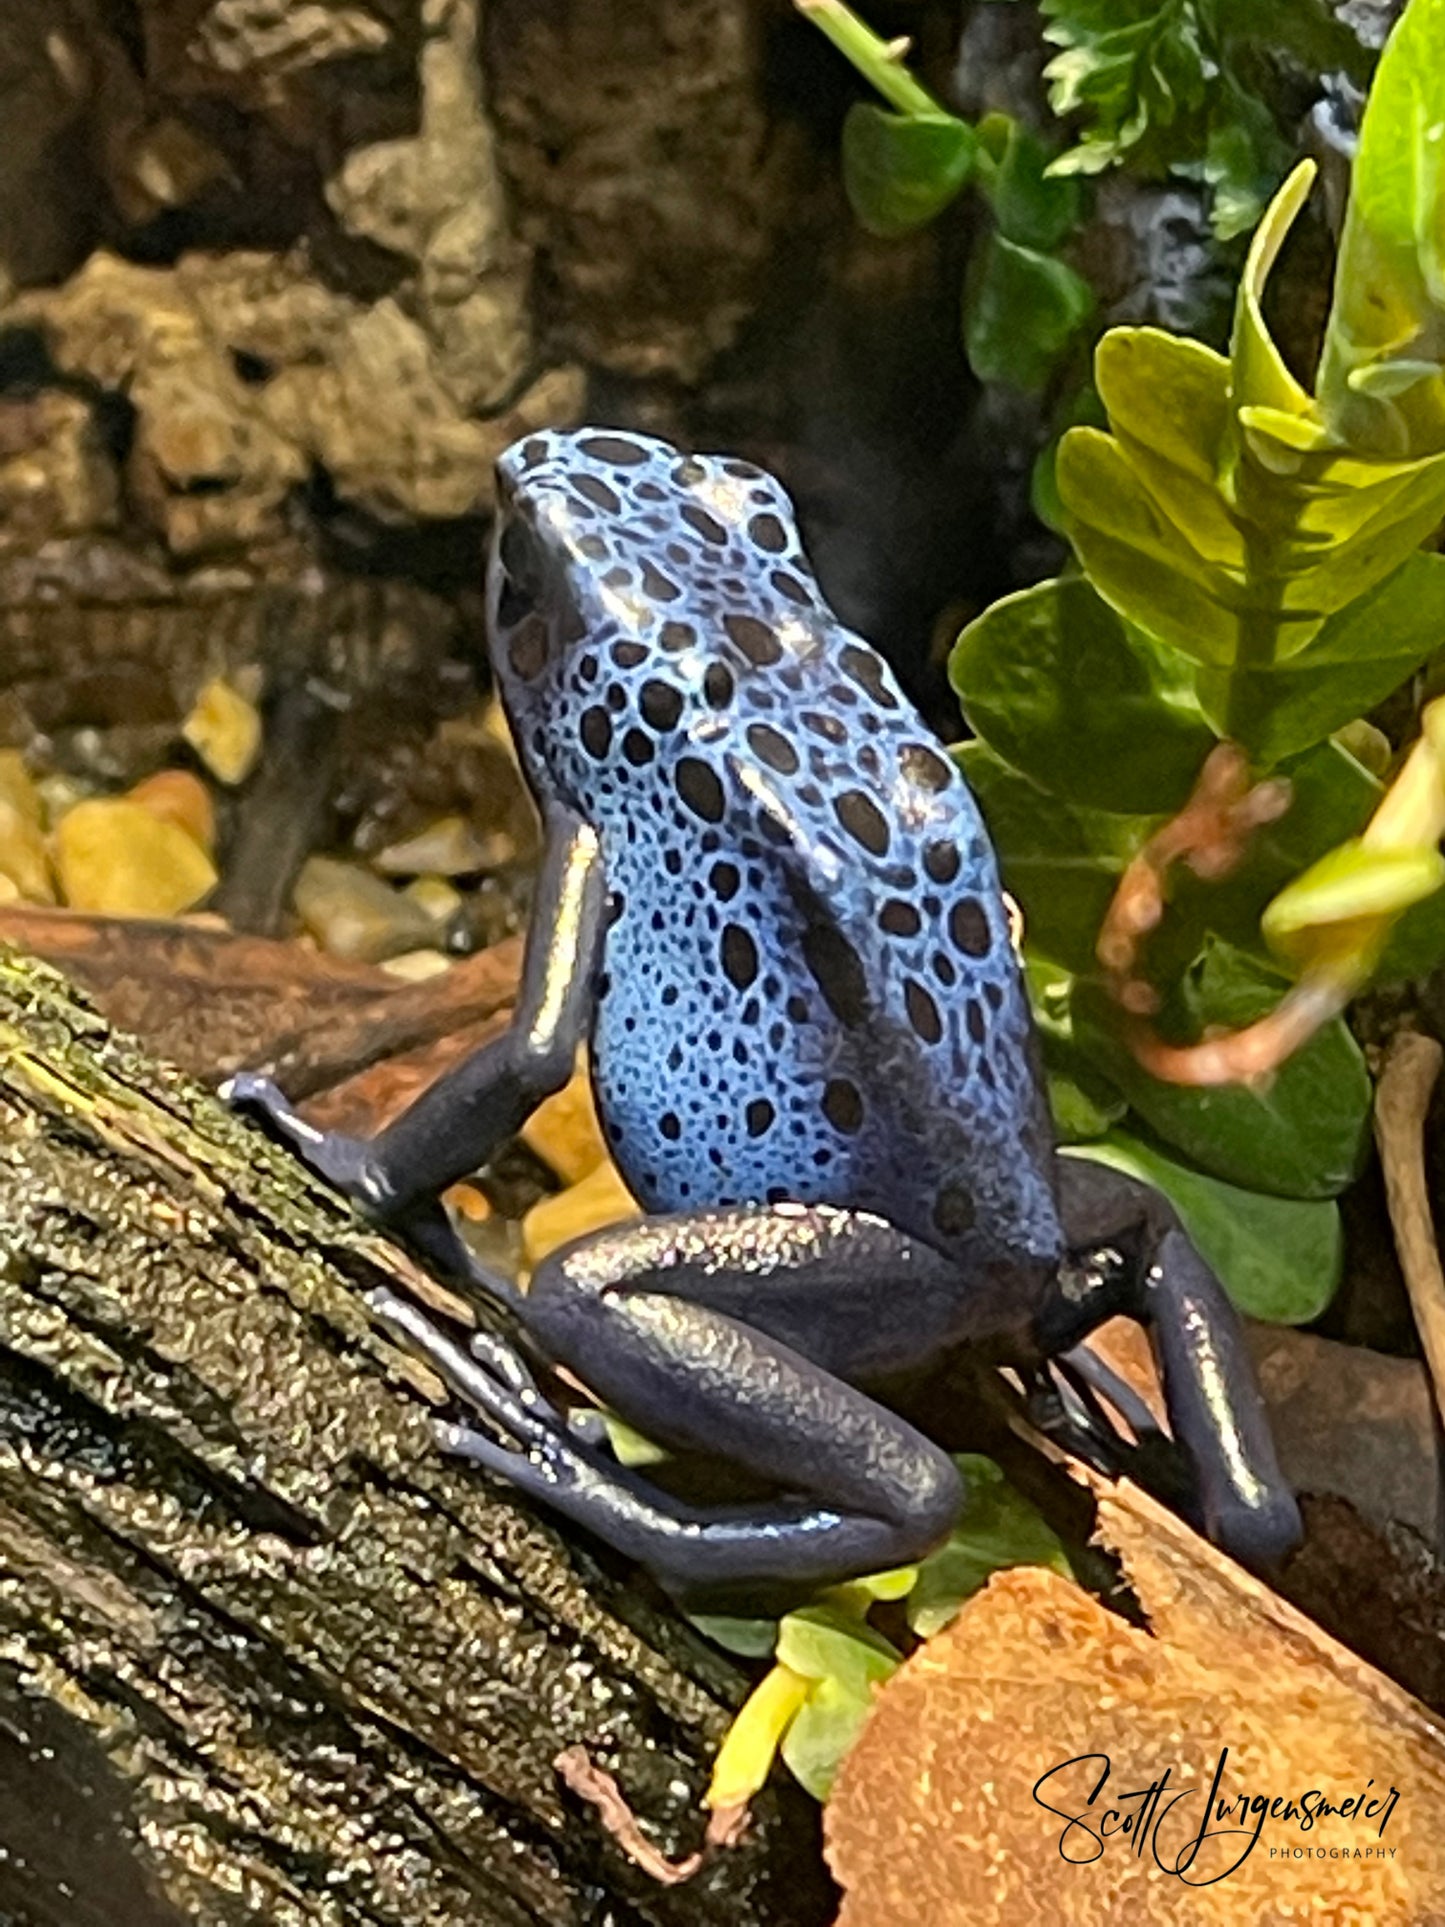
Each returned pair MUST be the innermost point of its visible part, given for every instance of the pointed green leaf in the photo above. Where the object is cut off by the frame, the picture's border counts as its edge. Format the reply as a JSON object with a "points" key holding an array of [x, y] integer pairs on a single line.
{"points": [[1060, 687], [1258, 373], [1278, 1258], [1382, 370], [901, 170]]}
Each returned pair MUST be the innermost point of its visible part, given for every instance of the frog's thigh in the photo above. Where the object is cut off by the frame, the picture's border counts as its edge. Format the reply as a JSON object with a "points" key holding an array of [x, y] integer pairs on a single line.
{"points": [[875, 1492], [855, 1296]]}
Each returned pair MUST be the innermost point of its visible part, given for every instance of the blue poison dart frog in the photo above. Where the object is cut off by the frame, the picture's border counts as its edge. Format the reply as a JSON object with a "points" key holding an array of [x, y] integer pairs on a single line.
{"points": [[769, 904]]}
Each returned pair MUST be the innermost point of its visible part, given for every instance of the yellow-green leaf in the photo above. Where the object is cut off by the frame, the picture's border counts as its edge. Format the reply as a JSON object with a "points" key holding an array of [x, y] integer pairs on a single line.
{"points": [[1352, 883], [1259, 377]]}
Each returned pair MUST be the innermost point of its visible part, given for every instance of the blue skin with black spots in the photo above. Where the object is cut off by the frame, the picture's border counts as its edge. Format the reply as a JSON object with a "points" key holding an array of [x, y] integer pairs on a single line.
{"points": [[770, 905], [809, 991]]}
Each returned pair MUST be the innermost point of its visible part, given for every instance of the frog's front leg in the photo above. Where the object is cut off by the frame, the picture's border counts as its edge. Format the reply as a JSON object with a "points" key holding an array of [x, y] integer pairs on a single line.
{"points": [[457, 1124], [647, 1316], [1154, 1274]]}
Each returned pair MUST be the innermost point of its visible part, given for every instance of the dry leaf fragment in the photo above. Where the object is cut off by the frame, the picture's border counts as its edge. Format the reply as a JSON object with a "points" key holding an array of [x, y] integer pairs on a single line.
{"points": [[935, 1819]]}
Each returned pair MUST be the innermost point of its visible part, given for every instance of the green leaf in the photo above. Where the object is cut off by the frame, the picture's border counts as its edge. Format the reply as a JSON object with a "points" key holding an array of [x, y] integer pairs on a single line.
{"points": [[1382, 369], [1416, 945], [1086, 707], [1021, 311], [751, 1638], [629, 1446], [1234, 528], [1353, 883], [1303, 1134], [1083, 1102], [823, 1734], [902, 170], [1244, 159], [1156, 573], [1061, 863], [1278, 1258], [1126, 69], [1166, 399], [823, 1642], [1361, 655], [997, 1528], [1032, 208]]}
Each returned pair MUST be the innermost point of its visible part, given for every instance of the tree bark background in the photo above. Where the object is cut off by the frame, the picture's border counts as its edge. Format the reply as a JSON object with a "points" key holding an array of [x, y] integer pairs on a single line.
{"points": [[264, 1654]]}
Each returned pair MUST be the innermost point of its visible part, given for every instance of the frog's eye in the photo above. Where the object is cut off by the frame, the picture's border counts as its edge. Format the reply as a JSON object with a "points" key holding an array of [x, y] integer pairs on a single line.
{"points": [[520, 558]]}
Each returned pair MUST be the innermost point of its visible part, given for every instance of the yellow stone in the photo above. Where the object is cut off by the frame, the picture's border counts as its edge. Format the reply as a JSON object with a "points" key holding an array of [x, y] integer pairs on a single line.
{"points": [[224, 730], [564, 1131], [23, 858], [353, 914], [115, 858], [436, 896], [600, 1199], [450, 847], [415, 966], [176, 796]]}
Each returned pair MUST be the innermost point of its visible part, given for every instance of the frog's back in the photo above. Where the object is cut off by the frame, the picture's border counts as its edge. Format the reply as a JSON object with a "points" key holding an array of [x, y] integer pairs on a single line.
{"points": [[809, 991]]}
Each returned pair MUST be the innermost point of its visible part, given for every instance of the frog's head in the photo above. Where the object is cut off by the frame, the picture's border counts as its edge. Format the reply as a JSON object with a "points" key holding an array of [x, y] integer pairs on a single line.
{"points": [[604, 537]]}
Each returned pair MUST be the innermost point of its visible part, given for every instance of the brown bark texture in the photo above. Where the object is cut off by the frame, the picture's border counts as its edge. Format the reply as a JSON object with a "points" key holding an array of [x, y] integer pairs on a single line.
{"points": [[264, 1654]]}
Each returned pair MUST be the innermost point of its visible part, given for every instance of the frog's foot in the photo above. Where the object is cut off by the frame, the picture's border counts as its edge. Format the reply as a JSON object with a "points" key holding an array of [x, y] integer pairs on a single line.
{"points": [[491, 1375], [344, 1162], [786, 1546]]}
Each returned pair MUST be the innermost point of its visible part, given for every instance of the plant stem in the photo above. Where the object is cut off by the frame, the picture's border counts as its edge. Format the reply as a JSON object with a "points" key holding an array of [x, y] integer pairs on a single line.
{"points": [[879, 61]]}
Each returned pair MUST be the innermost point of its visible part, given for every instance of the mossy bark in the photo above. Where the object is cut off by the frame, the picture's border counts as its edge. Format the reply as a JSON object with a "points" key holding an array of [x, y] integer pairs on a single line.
{"points": [[264, 1654]]}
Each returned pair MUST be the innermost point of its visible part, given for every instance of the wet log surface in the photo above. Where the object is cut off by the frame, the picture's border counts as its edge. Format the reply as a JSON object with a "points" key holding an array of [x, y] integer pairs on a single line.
{"points": [[264, 1655]]}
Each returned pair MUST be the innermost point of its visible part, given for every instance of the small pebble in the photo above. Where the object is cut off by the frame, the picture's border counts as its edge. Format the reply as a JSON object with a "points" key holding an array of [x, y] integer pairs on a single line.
{"points": [[24, 861], [354, 915], [224, 729], [436, 896], [450, 847], [59, 793], [176, 796], [564, 1131], [116, 859], [415, 966], [600, 1199]]}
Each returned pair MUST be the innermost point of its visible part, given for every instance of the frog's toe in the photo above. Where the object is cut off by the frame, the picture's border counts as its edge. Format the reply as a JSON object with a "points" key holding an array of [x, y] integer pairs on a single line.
{"points": [[343, 1162], [487, 1373]]}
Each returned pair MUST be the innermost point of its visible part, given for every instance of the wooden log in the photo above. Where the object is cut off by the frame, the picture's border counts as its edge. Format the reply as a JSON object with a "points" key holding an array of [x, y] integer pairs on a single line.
{"points": [[264, 1654]]}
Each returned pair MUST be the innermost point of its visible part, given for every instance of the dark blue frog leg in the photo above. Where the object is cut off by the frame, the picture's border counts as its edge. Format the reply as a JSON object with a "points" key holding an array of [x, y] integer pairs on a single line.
{"points": [[860, 1488], [1132, 1256], [456, 1125]]}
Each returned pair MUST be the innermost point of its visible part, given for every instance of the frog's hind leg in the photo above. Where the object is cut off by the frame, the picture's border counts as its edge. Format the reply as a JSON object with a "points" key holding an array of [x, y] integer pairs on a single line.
{"points": [[1137, 1260], [456, 1124], [860, 1489]]}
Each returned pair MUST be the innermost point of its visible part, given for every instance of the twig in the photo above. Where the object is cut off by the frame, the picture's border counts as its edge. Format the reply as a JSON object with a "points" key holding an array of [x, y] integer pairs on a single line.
{"points": [[1210, 834], [597, 1787], [1401, 1105]]}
